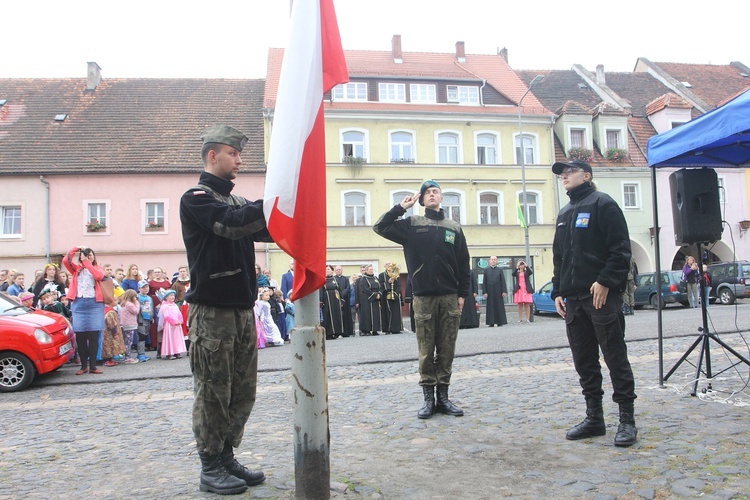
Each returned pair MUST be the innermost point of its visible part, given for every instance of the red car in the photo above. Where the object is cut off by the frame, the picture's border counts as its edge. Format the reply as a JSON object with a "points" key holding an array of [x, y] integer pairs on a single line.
{"points": [[31, 342]]}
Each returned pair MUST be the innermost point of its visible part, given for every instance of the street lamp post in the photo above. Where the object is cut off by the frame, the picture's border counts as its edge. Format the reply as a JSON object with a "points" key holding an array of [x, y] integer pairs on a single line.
{"points": [[522, 156]]}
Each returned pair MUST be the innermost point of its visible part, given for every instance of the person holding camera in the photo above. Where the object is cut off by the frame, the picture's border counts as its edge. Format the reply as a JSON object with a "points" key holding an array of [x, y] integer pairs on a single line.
{"points": [[86, 304], [522, 290]]}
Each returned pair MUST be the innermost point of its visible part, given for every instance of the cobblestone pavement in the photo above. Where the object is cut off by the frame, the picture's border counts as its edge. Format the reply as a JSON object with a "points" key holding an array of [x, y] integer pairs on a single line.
{"points": [[133, 438]]}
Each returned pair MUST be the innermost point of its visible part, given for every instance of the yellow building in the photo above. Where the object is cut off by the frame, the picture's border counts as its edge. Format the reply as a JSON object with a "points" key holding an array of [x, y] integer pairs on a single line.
{"points": [[405, 117]]}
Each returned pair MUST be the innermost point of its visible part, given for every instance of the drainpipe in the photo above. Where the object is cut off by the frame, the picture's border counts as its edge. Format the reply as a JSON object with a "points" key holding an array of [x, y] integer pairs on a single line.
{"points": [[46, 225]]}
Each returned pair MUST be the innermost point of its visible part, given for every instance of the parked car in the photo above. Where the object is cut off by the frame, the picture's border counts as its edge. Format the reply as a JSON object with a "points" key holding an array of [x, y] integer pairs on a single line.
{"points": [[729, 281], [673, 290], [32, 342], [542, 301]]}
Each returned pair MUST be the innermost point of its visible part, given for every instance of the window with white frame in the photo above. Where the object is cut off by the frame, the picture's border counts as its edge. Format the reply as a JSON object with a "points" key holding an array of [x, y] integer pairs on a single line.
{"points": [[353, 144], [402, 147], [351, 91], [398, 197], [11, 218], [577, 138], [452, 206], [489, 208], [392, 92], [631, 195], [96, 216], [154, 212], [355, 209], [532, 206], [422, 93], [447, 147], [528, 149], [613, 139], [486, 149], [462, 94]]}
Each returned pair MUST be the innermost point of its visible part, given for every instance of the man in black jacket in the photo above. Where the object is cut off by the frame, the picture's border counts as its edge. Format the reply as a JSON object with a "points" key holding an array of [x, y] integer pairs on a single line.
{"points": [[219, 229], [591, 257], [437, 258]]}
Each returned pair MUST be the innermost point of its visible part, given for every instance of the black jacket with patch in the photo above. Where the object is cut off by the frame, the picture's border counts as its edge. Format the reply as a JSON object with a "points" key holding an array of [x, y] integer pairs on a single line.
{"points": [[435, 250], [591, 244], [219, 229]]}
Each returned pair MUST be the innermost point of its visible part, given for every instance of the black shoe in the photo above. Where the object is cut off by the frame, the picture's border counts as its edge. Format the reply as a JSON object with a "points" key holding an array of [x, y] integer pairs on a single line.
{"points": [[592, 425], [428, 409], [444, 405], [627, 434], [250, 477], [216, 478]]}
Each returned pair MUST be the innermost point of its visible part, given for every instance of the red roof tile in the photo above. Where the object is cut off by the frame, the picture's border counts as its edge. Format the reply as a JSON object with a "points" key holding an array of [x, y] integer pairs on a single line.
{"points": [[712, 83], [125, 125]]}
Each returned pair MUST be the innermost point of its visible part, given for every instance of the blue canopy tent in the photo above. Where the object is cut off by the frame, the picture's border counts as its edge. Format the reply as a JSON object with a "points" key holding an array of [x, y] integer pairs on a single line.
{"points": [[719, 138]]}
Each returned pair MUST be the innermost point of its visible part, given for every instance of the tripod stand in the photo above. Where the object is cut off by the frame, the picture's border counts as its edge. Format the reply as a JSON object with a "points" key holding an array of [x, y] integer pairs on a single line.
{"points": [[704, 340]]}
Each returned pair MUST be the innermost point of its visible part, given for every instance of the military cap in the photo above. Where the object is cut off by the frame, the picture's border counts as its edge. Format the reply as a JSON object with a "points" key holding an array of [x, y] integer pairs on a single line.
{"points": [[224, 134], [425, 186]]}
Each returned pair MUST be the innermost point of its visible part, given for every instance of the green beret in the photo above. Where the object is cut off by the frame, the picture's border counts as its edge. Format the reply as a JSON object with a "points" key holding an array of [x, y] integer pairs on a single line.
{"points": [[425, 186], [224, 134]]}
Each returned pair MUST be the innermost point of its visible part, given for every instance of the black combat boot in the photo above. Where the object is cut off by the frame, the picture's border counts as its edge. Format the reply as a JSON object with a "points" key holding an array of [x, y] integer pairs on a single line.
{"points": [[592, 425], [251, 477], [626, 432], [444, 404], [428, 409], [215, 477]]}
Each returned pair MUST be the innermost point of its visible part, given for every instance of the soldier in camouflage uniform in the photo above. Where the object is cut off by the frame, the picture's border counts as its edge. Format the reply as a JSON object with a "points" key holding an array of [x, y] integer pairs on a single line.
{"points": [[219, 229], [438, 262]]}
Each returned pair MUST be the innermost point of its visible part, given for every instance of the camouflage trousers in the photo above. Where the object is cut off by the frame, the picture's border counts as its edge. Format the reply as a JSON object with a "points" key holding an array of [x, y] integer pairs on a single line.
{"points": [[437, 319], [224, 362]]}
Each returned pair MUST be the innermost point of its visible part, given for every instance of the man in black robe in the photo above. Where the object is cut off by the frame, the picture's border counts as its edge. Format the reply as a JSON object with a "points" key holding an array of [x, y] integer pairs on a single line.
{"points": [[343, 282], [495, 291], [469, 314], [368, 302]]}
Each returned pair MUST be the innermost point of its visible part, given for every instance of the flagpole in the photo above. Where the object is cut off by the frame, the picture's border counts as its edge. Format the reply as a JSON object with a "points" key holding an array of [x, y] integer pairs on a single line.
{"points": [[312, 469]]}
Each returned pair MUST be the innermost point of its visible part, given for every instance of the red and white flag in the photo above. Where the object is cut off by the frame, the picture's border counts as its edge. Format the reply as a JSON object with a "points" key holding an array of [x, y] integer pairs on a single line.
{"points": [[295, 194]]}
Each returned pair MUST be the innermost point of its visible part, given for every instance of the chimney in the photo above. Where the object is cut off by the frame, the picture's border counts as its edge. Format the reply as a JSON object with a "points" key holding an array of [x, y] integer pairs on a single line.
{"points": [[396, 49], [600, 80], [94, 76], [503, 53], [460, 52]]}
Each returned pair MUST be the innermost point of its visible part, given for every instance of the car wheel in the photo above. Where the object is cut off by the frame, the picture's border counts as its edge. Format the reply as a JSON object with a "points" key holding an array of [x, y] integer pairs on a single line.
{"points": [[656, 302], [535, 310], [726, 296], [16, 372]]}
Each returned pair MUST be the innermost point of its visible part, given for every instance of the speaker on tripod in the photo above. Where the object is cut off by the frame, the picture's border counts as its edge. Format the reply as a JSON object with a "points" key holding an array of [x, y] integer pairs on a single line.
{"points": [[695, 206]]}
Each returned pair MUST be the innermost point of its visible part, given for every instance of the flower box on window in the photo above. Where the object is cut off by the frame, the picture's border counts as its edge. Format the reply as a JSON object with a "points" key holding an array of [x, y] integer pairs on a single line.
{"points": [[582, 154], [616, 154], [95, 226], [154, 226]]}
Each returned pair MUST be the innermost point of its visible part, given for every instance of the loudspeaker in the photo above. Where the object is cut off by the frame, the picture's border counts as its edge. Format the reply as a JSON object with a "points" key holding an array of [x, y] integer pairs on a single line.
{"points": [[695, 206]]}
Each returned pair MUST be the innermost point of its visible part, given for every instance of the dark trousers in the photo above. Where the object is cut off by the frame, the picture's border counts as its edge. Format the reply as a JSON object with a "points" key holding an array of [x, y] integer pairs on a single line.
{"points": [[88, 346], [589, 330]]}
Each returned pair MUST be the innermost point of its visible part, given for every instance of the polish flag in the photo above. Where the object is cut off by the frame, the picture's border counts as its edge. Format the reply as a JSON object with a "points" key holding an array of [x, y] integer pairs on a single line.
{"points": [[295, 194]]}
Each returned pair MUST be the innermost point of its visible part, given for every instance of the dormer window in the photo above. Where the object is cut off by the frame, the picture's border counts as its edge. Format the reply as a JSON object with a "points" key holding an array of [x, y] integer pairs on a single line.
{"points": [[392, 92], [462, 94], [351, 91], [422, 93], [614, 140]]}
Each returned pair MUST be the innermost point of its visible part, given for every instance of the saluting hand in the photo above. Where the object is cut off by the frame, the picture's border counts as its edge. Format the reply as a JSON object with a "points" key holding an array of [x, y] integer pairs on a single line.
{"points": [[409, 201]]}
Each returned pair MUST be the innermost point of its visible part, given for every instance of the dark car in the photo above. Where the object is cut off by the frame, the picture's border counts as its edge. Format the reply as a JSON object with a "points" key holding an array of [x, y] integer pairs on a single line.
{"points": [[729, 281], [32, 342], [673, 289]]}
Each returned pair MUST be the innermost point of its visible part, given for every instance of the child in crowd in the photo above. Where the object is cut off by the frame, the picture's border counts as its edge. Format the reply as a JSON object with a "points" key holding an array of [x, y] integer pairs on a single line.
{"points": [[170, 323], [26, 299], [281, 316], [48, 301], [144, 319], [113, 346], [263, 311], [129, 309]]}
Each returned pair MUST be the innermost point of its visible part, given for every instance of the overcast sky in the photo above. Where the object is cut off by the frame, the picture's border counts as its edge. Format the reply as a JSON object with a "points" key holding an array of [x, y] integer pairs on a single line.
{"points": [[230, 38]]}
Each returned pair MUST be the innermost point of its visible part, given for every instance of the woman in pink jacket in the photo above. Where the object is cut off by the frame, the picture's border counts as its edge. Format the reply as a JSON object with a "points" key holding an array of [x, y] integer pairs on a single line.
{"points": [[87, 304]]}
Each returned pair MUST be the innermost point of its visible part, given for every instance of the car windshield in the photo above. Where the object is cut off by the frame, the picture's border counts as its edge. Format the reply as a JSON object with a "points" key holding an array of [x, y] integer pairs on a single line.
{"points": [[9, 306]]}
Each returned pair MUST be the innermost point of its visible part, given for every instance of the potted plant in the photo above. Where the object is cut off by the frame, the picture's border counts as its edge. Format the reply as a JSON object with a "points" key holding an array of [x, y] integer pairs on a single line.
{"points": [[582, 154], [354, 163], [154, 226], [94, 225]]}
